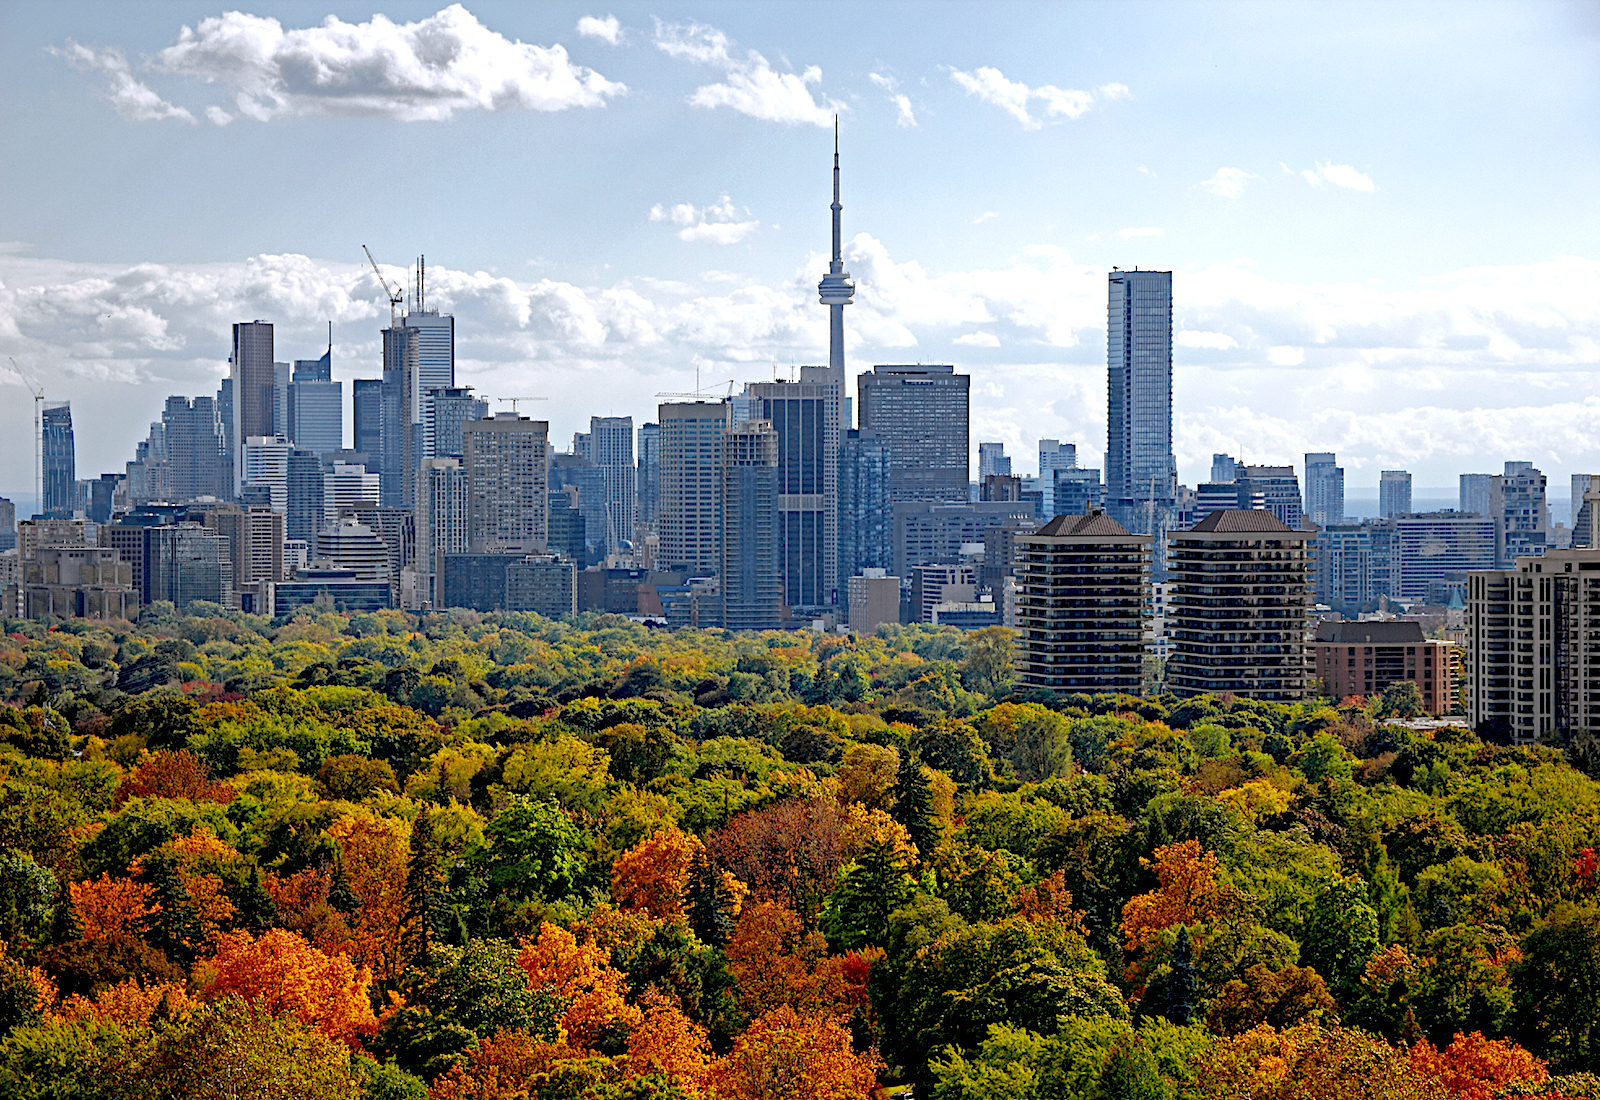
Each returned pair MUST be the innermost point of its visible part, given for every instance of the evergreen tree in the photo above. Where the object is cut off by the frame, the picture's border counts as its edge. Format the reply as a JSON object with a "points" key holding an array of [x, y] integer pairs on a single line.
{"points": [[64, 923], [173, 923], [344, 899], [913, 804], [424, 895], [1182, 982], [709, 903], [1480, 1013], [257, 911]]}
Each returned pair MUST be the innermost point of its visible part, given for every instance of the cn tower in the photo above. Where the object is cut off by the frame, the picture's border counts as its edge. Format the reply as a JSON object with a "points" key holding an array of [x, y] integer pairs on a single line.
{"points": [[836, 289]]}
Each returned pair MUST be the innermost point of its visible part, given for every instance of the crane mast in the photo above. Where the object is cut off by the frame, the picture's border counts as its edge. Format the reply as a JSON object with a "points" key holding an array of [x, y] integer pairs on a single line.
{"points": [[38, 437]]}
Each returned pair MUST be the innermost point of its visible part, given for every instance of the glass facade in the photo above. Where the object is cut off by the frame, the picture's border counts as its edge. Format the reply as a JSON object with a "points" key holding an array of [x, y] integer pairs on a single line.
{"points": [[1141, 473]]}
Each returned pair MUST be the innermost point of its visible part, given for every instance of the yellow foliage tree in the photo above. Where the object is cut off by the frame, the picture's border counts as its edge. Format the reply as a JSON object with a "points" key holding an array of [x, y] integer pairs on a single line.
{"points": [[1256, 799], [286, 974], [1188, 877], [509, 1065], [668, 1042], [654, 873], [109, 907], [373, 854], [582, 975], [130, 1003], [786, 1056]]}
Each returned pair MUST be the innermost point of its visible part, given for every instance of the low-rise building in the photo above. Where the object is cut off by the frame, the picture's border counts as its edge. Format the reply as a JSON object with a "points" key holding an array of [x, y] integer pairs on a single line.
{"points": [[1364, 658], [874, 599]]}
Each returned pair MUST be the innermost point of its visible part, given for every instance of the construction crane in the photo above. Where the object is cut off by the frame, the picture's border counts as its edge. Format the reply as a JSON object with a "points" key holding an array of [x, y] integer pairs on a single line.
{"points": [[395, 296], [701, 394], [512, 401], [38, 436]]}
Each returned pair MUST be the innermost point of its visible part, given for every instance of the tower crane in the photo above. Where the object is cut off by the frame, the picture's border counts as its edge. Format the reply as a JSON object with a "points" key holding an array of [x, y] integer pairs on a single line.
{"points": [[395, 296], [702, 394], [512, 401], [38, 437]]}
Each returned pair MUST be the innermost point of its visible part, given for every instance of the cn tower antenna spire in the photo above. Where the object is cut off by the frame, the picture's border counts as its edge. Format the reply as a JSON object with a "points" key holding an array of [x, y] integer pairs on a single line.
{"points": [[836, 289]]}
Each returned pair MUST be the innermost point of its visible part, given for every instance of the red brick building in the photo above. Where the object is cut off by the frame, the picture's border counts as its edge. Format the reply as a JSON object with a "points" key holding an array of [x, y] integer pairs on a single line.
{"points": [[1363, 658]]}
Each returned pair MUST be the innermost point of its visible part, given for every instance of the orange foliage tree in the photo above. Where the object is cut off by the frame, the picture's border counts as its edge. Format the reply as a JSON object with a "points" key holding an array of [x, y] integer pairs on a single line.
{"points": [[786, 1056], [654, 873], [668, 1042], [777, 961], [130, 1003], [200, 858], [1475, 1068], [582, 976], [169, 774], [1309, 1062], [109, 908], [373, 852], [286, 974], [1188, 877], [508, 1064]]}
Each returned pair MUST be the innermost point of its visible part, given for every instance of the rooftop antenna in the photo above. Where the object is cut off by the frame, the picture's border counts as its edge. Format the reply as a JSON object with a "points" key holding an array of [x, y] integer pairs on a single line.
{"points": [[395, 296], [38, 436], [422, 284]]}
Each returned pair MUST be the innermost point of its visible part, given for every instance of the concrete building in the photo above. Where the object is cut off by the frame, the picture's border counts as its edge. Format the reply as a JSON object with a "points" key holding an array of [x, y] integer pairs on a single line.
{"points": [[1475, 492], [874, 599], [325, 588], [1585, 512], [942, 582], [926, 532], [1324, 503], [1074, 491], [1533, 648], [194, 449], [866, 517], [1427, 548], [1517, 505], [441, 521], [806, 417], [542, 583], [78, 582], [8, 525], [255, 548], [689, 511], [350, 544], [304, 512], [1278, 490], [992, 459], [1082, 586], [1364, 658], [444, 412], [396, 528], [264, 461], [751, 584], [1141, 472], [1394, 493], [345, 484], [921, 414], [1344, 571], [1237, 607], [507, 482]]}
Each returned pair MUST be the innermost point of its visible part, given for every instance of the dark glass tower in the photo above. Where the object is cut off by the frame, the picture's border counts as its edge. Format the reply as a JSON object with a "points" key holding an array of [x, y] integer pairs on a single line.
{"points": [[1141, 473], [60, 464]]}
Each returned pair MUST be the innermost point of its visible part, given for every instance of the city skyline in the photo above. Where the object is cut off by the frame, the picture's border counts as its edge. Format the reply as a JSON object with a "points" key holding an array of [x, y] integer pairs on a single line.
{"points": [[1449, 359]]}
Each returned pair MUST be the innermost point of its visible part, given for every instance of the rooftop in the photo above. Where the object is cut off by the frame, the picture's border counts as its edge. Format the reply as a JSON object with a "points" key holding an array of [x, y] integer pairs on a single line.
{"points": [[1392, 632], [1230, 521], [1094, 523]]}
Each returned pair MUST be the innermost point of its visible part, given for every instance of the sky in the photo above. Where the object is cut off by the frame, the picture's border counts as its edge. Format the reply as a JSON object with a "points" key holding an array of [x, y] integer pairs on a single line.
{"points": [[1381, 218]]}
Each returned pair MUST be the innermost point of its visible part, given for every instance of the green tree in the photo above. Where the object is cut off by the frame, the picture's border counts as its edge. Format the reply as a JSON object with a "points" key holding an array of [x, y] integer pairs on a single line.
{"points": [[1401, 699], [173, 924], [856, 913], [913, 804], [27, 896], [1557, 986], [425, 902], [1182, 984], [535, 850], [709, 902], [987, 667], [1341, 934], [234, 1050]]}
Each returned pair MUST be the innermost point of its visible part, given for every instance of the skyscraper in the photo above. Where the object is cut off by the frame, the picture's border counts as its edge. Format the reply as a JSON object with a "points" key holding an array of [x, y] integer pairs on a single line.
{"points": [[345, 484], [1054, 455], [254, 379], [611, 450], [194, 449], [303, 514], [805, 416], [441, 522], [1475, 492], [920, 412], [507, 481], [992, 459], [366, 407], [316, 405], [265, 462], [752, 588], [445, 411], [1276, 487], [1324, 489], [649, 472], [1517, 503], [1394, 493], [59, 459], [1141, 473], [394, 428], [866, 515], [430, 364], [689, 513]]}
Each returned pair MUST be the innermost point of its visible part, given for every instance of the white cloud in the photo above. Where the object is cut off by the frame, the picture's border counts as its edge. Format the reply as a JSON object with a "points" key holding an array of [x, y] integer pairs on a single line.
{"points": [[607, 29], [1340, 175], [425, 70], [129, 96], [905, 117], [751, 85], [717, 223], [1215, 341], [1012, 96], [1141, 231], [1228, 182], [987, 215], [978, 340]]}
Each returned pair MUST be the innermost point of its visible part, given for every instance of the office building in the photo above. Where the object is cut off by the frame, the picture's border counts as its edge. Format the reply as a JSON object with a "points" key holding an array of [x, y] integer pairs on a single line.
{"points": [[304, 513], [649, 473], [565, 523], [1000, 552], [1517, 504], [1224, 469], [366, 415], [1533, 649], [1055, 455], [441, 526], [8, 525], [103, 497], [1082, 584], [1475, 492], [58, 457], [429, 351], [347, 543], [254, 381], [751, 583], [255, 539], [1324, 489], [866, 519], [326, 588], [576, 472], [444, 412], [1394, 493], [1427, 548], [926, 532], [230, 447], [954, 582], [193, 445], [1074, 491], [396, 528], [542, 583], [992, 459], [1276, 487], [1585, 511], [920, 413], [345, 484], [874, 599], [264, 462], [611, 451], [1364, 658], [507, 482], [1141, 472], [689, 511], [186, 562], [316, 405], [806, 417], [1237, 607]]}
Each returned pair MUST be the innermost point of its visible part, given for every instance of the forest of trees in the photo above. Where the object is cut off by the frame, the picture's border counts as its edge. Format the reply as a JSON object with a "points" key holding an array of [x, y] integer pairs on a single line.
{"points": [[495, 856]]}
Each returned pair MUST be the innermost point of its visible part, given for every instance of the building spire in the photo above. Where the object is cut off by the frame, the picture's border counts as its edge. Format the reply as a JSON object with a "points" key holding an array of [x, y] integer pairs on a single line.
{"points": [[836, 289]]}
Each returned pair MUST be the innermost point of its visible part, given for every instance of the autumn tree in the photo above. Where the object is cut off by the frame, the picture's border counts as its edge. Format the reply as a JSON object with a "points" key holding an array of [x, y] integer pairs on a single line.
{"points": [[784, 1056], [242, 1051], [667, 1042], [285, 973], [654, 873], [1279, 998], [130, 1002], [173, 774], [1310, 1062], [788, 852], [1475, 1068], [1188, 877], [581, 977], [374, 861]]}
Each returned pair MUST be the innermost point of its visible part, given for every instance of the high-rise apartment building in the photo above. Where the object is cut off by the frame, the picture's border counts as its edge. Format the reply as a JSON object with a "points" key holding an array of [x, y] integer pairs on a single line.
{"points": [[303, 507], [254, 384], [1324, 489], [1074, 491], [1364, 658], [1276, 487], [928, 532], [751, 584], [866, 518], [194, 450], [805, 416], [1344, 567], [8, 525], [264, 461], [1475, 492], [649, 473], [1141, 472], [1428, 548], [59, 461], [1237, 607], [1517, 503], [255, 546], [1533, 648], [1054, 455], [1585, 511], [1082, 587], [443, 413], [442, 526], [921, 413], [345, 484], [1394, 493], [506, 461], [689, 511], [992, 459], [611, 451]]}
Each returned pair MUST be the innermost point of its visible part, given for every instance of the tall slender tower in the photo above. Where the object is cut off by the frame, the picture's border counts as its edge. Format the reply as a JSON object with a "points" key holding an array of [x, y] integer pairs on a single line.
{"points": [[836, 289]]}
